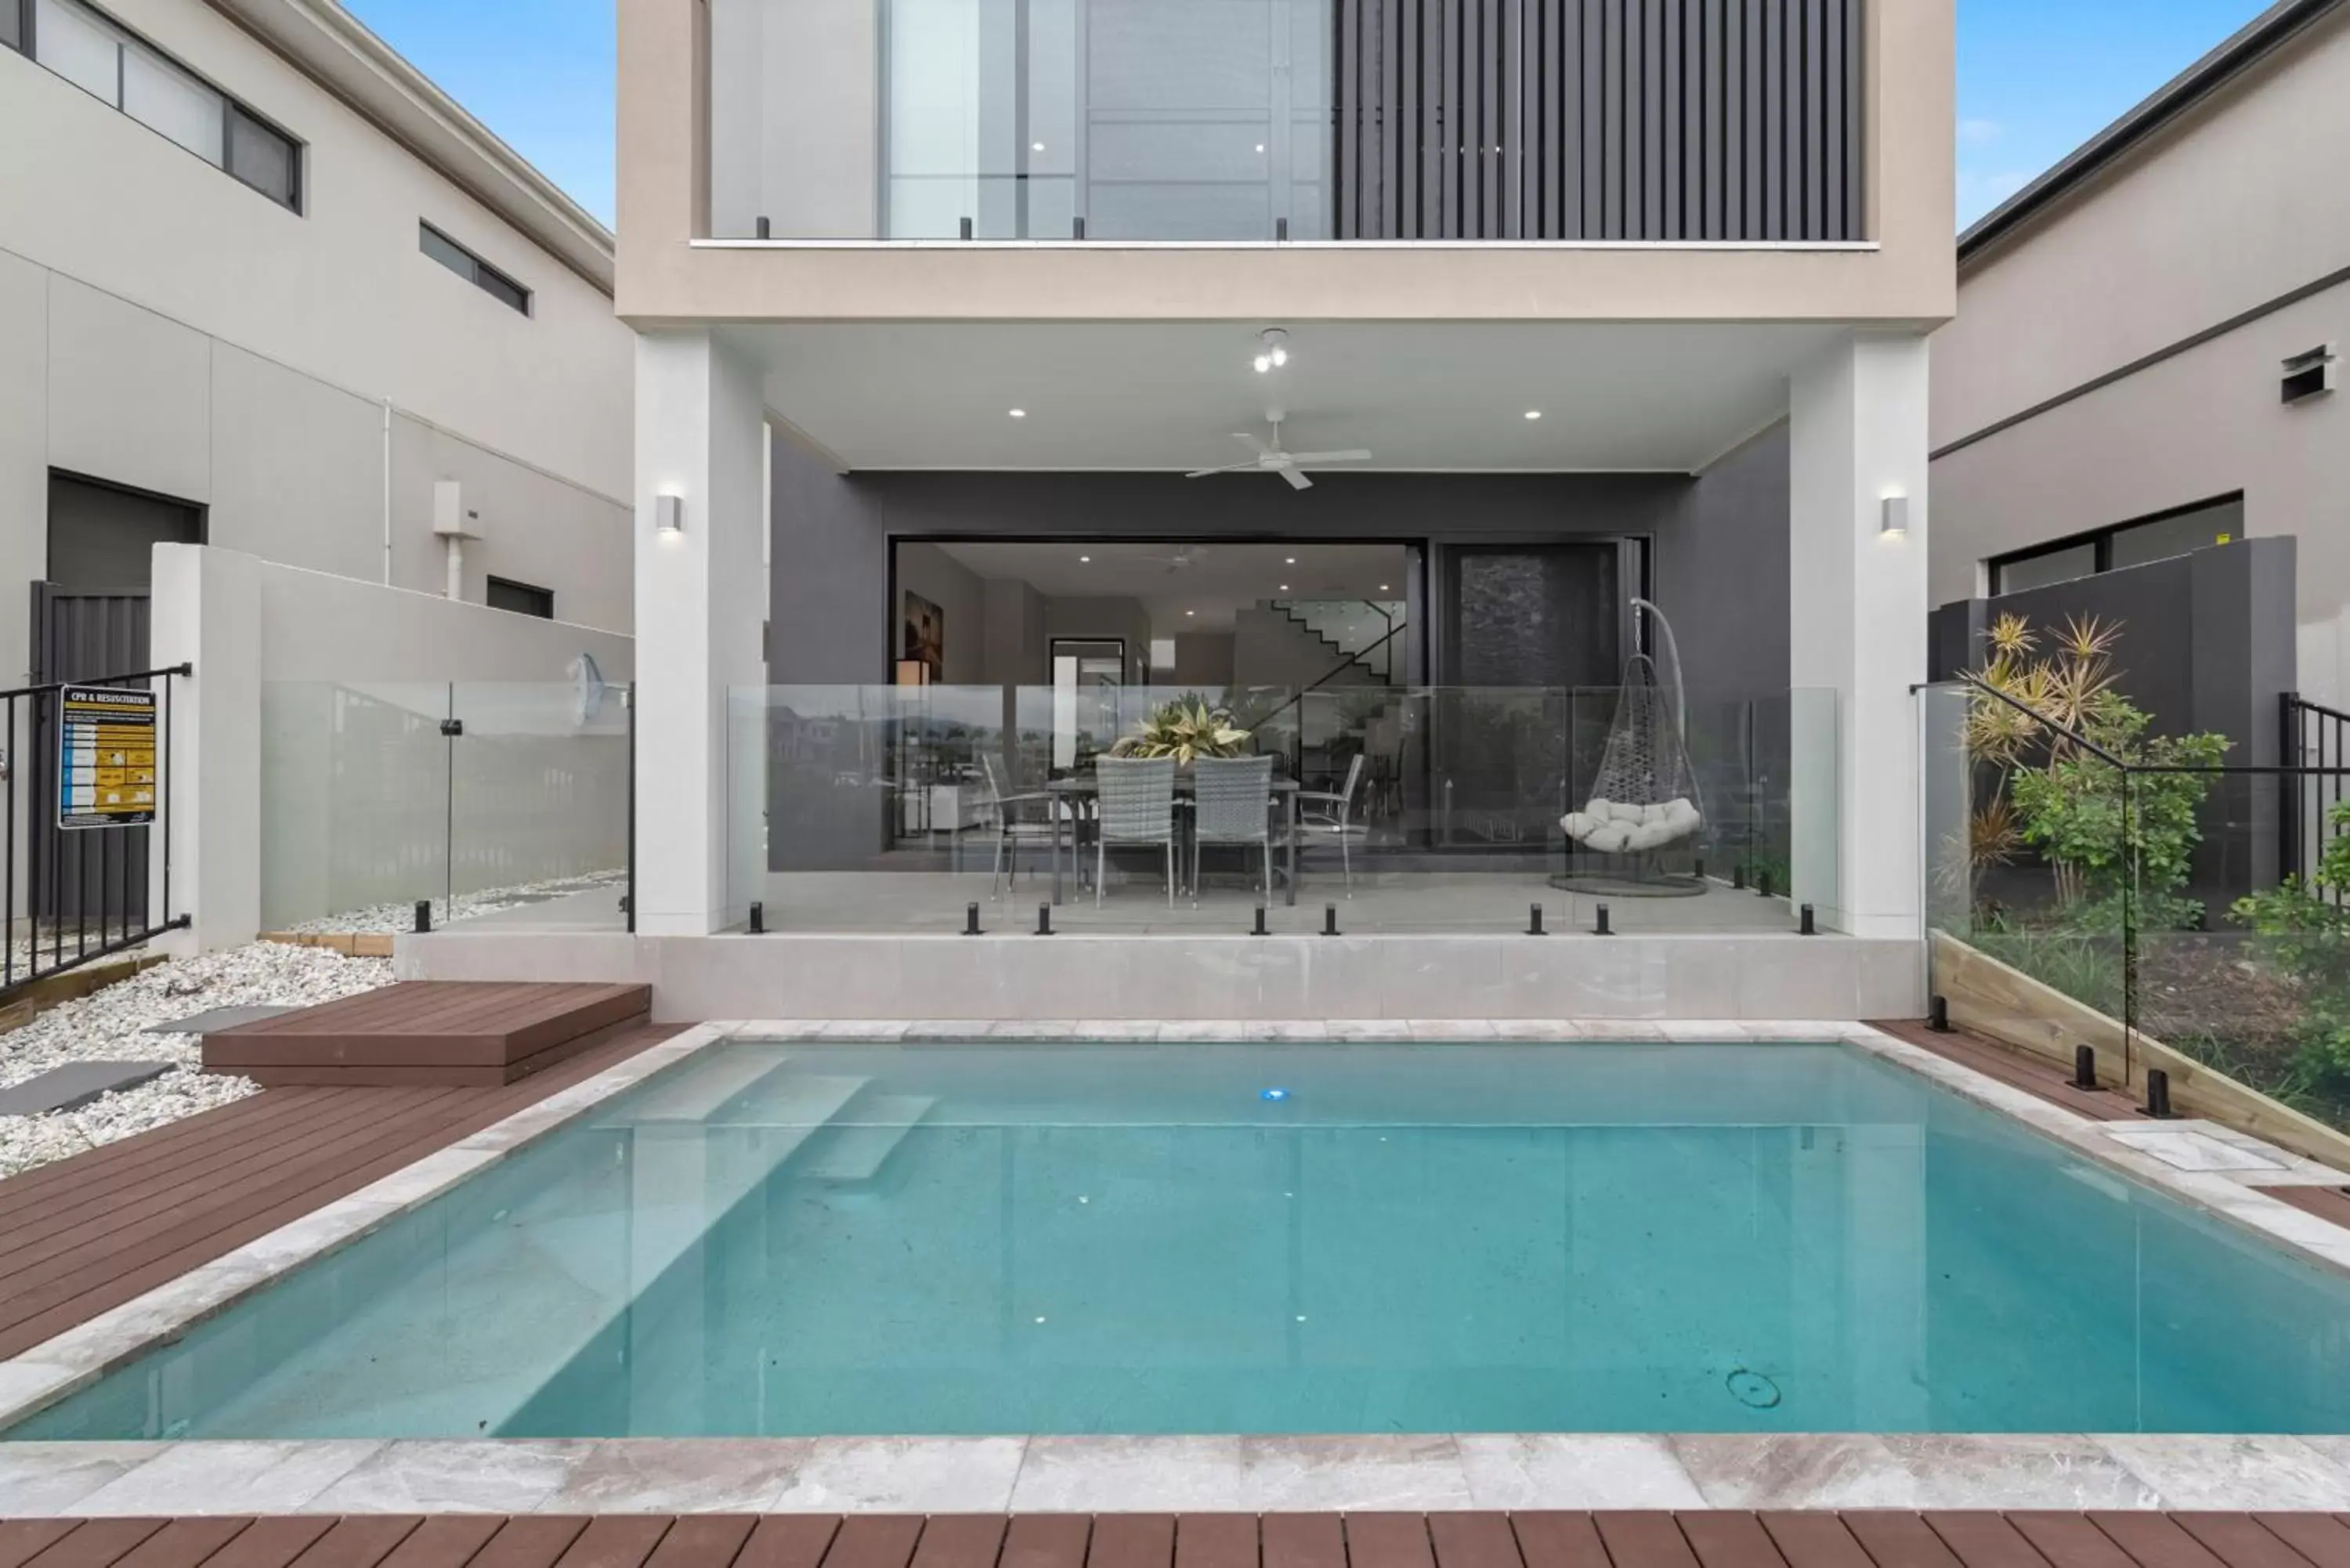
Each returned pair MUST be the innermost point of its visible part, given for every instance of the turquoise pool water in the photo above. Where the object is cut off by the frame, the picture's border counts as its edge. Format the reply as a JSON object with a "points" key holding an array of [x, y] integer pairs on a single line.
{"points": [[778, 1240]]}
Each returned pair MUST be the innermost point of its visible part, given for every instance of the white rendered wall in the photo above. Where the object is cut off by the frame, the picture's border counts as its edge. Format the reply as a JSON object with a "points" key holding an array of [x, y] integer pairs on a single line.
{"points": [[1858, 630], [700, 595], [165, 328], [250, 626]]}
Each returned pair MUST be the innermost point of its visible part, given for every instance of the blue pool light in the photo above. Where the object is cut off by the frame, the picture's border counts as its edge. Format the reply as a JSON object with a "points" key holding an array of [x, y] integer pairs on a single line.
{"points": [[1272, 1093]]}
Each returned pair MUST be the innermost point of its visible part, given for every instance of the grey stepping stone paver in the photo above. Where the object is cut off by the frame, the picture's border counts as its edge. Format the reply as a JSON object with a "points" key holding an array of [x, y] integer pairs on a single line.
{"points": [[76, 1083]]}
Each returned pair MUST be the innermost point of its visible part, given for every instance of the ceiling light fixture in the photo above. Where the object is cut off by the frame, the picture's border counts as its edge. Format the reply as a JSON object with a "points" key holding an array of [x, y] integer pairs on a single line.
{"points": [[1190, 612], [1083, 559], [1036, 147], [1272, 351], [1383, 587], [1289, 561], [1533, 413], [1285, 588], [1019, 413]]}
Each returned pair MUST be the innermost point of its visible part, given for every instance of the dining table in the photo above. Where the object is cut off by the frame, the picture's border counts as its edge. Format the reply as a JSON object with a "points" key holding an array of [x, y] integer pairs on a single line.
{"points": [[1070, 791]]}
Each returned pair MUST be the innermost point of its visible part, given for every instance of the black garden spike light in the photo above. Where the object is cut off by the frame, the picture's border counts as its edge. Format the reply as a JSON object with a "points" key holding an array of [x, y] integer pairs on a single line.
{"points": [[1329, 919], [1044, 920], [1534, 922], [2085, 1067], [1601, 927], [1938, 1013], [1260, 929], [2158, 1094], [971, 920]]}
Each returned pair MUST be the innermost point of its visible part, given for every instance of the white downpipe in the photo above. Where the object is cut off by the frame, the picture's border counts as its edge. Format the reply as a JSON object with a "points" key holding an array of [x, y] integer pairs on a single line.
{"points": [[387, 492], [456, 542]]}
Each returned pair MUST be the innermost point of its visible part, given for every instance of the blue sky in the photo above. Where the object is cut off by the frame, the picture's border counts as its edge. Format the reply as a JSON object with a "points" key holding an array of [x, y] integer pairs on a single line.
{"points": [[2036, 77]]}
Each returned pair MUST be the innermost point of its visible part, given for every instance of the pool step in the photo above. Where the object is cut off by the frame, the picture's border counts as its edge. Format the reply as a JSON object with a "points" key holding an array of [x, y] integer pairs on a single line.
{"points": [[857, 1151]]}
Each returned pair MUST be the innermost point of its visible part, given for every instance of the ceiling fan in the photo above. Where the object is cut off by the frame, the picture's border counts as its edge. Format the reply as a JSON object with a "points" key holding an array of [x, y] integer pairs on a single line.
{"points": [[1181, 556], [1273, 459]]}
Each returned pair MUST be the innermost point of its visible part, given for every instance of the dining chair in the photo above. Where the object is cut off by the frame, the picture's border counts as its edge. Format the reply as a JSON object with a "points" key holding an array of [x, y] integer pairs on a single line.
{"points": [[1017, 821], [1234, 805], [1327, 816], [1137, 804]]}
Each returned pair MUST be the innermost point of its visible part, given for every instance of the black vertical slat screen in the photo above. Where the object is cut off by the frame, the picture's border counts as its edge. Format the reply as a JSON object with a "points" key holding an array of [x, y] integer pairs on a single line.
{"points": [[1599, 120]]}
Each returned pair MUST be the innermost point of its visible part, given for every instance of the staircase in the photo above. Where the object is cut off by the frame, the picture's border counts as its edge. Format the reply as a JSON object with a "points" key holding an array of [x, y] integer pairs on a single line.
{"points": [[1362, 635]]}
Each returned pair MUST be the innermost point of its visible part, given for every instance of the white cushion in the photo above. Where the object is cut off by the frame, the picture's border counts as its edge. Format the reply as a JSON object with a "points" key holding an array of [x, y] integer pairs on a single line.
{"points": [[1608, 838], [1631, 816], [1683, 816], [1648, 836], [1578, 824], [1597, 808]]}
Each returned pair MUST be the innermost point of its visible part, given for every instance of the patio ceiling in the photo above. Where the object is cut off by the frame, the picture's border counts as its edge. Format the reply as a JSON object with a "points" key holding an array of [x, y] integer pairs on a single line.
{"points": [[1146, 396]]}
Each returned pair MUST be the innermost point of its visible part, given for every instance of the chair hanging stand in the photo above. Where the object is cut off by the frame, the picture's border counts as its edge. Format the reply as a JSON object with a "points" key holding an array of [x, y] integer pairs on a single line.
{"points": [[1644, 802]]}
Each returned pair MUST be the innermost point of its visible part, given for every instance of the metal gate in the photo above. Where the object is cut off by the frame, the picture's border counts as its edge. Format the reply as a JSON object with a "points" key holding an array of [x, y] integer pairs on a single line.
{"points": [[75, 895]]}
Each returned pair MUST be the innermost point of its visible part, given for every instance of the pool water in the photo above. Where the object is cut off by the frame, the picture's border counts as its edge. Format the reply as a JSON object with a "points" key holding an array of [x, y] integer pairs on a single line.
{"points": [[780, 1240]]}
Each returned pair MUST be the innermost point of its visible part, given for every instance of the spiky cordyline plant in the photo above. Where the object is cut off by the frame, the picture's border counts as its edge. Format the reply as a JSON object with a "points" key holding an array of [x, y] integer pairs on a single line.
{"points": [[2070, 689]]}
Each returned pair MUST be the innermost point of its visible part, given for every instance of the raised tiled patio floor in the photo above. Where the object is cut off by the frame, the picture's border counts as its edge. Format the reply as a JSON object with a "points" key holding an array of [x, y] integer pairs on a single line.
{"points": [[1871, 1539]]}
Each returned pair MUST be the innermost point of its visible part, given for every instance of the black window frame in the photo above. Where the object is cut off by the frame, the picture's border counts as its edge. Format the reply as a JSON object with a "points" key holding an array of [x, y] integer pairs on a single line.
{"points": [[2101, 539], [515, 586], [494, 281], [232, 107]]}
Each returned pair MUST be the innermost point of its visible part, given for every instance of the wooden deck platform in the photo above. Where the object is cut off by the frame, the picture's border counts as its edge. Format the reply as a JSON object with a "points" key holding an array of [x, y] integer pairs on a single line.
{"points": [[1873, 1539], [86, 1234], [2029, 1074], [466, 1033]]}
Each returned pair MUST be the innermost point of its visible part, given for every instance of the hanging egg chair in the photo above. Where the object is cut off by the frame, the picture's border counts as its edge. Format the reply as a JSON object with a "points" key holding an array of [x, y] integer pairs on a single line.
{"points": [[1644, 800]]}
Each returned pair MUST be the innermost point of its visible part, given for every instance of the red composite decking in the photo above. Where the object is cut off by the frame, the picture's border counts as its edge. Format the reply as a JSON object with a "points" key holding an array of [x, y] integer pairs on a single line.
{"points": [[2029, 1074], [1871, 1539], [86, 1234], [468, 1032]]}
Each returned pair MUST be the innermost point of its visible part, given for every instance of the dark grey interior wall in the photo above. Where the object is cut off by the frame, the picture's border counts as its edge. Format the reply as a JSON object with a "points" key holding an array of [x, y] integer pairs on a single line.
{"points": [[1719, 541], [1722, 574]]}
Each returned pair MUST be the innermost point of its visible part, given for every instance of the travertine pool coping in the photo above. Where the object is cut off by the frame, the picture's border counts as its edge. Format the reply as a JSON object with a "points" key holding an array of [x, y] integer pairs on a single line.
{"points": [[1109, 1473]]}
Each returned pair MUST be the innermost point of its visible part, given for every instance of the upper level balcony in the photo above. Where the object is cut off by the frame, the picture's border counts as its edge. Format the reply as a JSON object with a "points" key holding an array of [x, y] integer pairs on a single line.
{"points": [[1255, 121], [1734, 160]]}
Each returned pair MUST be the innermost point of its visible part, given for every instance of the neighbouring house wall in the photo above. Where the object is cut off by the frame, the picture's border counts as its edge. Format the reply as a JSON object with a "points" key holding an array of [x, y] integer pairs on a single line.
{"points": [[2113, 274], [957, 590], [164, 328], [1721, 542], [2204, 643], [311, 774], [1205, 659]]}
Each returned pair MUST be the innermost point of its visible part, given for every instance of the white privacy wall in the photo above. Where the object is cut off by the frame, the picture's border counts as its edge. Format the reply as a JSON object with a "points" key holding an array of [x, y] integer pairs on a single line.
{"points": [[307, 772]]}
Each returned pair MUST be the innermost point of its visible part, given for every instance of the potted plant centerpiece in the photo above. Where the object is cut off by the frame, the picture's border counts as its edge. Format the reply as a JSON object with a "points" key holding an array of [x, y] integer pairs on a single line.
{"points": [[1186, 729]]}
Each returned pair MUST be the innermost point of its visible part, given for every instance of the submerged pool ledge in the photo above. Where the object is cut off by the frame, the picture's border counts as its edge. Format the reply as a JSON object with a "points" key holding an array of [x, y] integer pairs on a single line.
{"points": [[1106, 1474]]}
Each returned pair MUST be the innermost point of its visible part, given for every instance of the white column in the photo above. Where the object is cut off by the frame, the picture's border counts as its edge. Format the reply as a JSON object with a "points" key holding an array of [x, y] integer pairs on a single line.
{"points": [[700, 596], [205, 607], [1857, 633]]}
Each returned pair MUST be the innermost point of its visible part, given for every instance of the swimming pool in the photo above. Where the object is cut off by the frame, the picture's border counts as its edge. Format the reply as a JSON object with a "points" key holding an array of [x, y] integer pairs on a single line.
{"points": [[791, 1240]]}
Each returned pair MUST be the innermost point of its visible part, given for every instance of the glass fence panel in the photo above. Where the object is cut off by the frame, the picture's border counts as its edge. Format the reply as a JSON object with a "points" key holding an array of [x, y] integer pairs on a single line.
{"points": [[354, 804], [2026, 857], [2243, 959], [1051, 120], [538, 805], [1409, 808]]}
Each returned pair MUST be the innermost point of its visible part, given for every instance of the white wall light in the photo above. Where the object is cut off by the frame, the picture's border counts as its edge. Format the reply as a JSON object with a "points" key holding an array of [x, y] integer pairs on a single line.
{"points": [[668, 514], [1895, 520]]}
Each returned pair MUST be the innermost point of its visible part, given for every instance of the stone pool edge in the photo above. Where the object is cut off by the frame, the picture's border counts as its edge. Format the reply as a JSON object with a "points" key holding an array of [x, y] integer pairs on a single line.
{"points": [[933, 1475], [63, 1366]]}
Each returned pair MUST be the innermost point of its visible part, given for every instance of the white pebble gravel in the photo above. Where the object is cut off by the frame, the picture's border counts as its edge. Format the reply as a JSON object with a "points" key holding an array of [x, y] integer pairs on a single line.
{"points": [[106, 1026]]}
